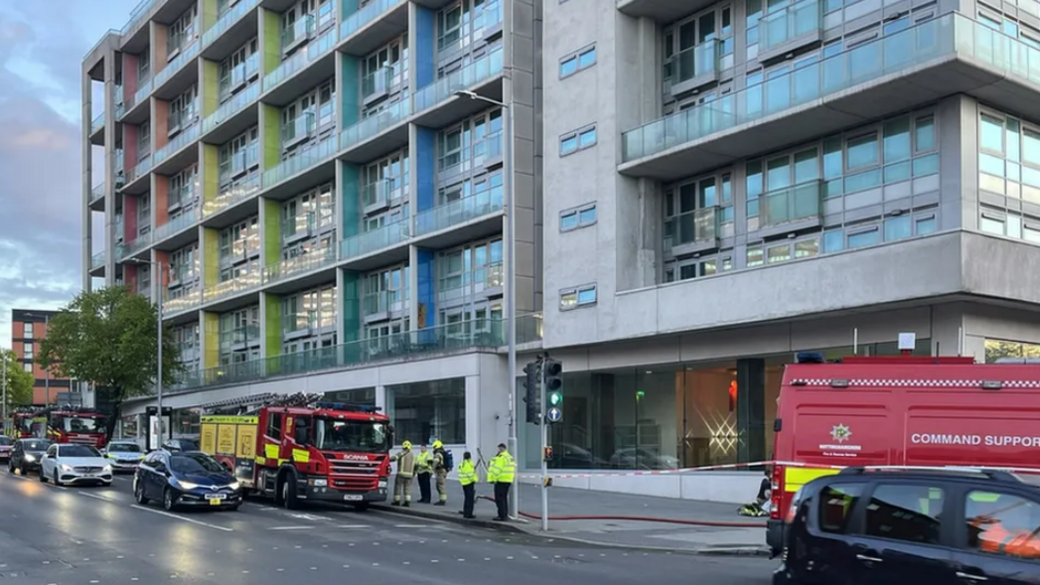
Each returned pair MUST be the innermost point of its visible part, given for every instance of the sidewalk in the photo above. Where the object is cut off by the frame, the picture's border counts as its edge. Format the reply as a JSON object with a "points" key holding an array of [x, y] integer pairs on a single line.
{"points": [[718, 529]]}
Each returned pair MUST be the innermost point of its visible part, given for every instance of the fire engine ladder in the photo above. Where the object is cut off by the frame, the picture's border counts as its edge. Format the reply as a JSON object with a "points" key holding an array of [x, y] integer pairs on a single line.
{"points": [[246, 405]]}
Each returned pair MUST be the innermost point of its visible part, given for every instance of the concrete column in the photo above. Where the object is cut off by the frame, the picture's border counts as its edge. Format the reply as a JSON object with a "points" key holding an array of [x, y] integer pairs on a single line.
{"points": [[751, 410], [86, 115]]}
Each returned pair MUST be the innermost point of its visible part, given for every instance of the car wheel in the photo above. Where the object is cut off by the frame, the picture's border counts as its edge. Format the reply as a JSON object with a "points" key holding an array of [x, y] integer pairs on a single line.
{"points": [[167, 500], [43, 478], [10, 466], [139, 494], [289, 494], [56, 481], [22, 471]]}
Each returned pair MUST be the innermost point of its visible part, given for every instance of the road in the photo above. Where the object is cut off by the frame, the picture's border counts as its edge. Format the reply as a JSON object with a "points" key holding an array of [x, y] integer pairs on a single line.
{"points": [[85, 535]]}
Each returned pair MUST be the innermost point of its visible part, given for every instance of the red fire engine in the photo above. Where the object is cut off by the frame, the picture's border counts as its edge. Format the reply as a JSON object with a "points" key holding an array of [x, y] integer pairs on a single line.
{"points": [[899, 412], [26, 424], [72, 424], [296, 448]]}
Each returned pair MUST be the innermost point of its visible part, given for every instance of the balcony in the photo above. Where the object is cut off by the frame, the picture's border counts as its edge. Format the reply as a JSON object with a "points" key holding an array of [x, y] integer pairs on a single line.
{"points": [[231, 197], [177, 225], [97, 260], [298, 228], [694, 67], [231, 287], [300, 161], [227, 111], [136, 245], [240, 337], [300, 324], [301, 264], [97, 123], [378, 239], [790, 28], [937, 58], [472, 335], [359, 38], [378, 306], [482, 154], [144, 89], [297, 34], [238, 77], [376, 85], [378, 196], [488, 22], [298, 130], [120, 102], [466, 78], [528, 328], [181, 274], [794, 208], [692, 232], [97, 194], [461, 211], [187, 136], [227, 20], [390, 117], [302, 61], [187, 55], [138, 14], [188, 300]]}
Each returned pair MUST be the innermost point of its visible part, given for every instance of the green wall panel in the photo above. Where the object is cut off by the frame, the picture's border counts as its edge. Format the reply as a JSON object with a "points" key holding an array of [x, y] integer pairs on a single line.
{"points": [[273, 325]]}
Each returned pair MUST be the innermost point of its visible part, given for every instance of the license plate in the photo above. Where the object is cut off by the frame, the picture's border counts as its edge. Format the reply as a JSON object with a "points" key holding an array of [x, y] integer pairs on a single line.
{"points": [[215, 499], [353, 498]]}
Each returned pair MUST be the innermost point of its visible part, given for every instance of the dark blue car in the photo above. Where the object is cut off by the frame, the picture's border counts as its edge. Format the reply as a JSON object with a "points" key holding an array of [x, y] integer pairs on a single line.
{"points": [[186, 480]]}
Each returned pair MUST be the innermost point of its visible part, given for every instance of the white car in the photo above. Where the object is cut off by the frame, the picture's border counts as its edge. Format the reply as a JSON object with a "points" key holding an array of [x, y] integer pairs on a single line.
{"points": [[123, 455], [76, 464]]}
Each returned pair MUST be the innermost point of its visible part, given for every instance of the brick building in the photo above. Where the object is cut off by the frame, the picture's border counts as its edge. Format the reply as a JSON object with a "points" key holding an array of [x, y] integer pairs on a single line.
{"points": [[28, 328]]}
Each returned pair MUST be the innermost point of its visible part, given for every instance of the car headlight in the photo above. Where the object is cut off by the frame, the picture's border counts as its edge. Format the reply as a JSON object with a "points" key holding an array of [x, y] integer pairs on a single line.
{"points": [[234, 485], [107, 469], [30, 458], [65, 467], [187, 485]]}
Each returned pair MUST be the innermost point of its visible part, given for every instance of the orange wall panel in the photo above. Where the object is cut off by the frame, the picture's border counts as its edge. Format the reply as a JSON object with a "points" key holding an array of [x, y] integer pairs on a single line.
{"points": [[163, 258], [161, 200], [161, 34], [161, 123]]}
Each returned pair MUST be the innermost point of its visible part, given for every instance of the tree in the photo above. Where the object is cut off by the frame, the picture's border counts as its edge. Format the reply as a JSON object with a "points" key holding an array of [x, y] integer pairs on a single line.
{"points": [[19, 382], [108, 337]]}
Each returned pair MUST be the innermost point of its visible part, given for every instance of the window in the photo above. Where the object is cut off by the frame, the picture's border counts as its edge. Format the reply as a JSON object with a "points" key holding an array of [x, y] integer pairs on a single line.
{"points": [[576, 218], [274, 425], [575, 62], [866, 237], [836, 506], [581, 296], [27, 330], [1002, 524], [28, 367], [577, 140], [908, 513], [427, 411], [27, 351]]}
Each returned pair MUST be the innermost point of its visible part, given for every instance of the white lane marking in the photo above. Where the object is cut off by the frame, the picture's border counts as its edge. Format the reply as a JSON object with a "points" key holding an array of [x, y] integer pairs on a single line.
{"points": [[97, 497], [290, 528], [176, 517], [410, 526], [309, 517], [354, 526]]}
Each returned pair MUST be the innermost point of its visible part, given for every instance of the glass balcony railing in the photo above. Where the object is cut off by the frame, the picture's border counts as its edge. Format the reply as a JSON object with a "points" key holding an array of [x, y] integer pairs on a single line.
{"points": [[375, 124], [470, 75], [98, 191], [300, 59], [484, 333], [238, 163], [528, 328], [186, 137], [231, 107], [791, 204], [137, 244], [177, 224], [187, 54], [789, 23], [460, 211], [376, 82], [231, 196], [300, 161], [98, 260], [299, 226], [137, 14], [97, 123], [142, 168], [864, 63], [474, 155], [377, 239], [183, 273], [383, 301], [312, 261], [185, 301], [694, 62], [489, 16], [231, 287], [119, 101], [144, 89], [699, 225], [382, 192], [298, 129], [240, 336], [302, 321], [298, 32], [228, 19], [371, 11]]}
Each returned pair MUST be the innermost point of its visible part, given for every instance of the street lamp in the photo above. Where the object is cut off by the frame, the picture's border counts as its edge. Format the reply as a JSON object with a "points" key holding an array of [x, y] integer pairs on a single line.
{"points": [[510, 254], [157, 279]]}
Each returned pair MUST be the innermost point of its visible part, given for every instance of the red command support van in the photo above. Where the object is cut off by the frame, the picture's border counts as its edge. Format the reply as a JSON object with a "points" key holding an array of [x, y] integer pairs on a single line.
{"points": [[900, 411]]}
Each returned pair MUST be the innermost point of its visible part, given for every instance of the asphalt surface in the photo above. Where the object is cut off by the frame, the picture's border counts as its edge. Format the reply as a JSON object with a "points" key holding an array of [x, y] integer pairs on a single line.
{"points": [[84, 535]]}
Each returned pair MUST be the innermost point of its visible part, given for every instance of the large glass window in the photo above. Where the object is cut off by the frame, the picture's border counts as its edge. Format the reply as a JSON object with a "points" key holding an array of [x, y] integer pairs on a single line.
{"points": [[426, 411], [998, 348], [905, 512]]}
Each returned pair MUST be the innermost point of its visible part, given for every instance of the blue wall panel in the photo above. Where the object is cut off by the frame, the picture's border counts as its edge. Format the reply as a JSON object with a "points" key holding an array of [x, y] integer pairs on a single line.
{"points": [[426, 169], [425, 48], [427, 287]]}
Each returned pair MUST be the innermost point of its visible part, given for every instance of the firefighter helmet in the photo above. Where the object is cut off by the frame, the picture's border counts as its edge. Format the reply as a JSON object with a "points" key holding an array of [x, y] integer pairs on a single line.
{"points": [[437, 445], [406, 445]]}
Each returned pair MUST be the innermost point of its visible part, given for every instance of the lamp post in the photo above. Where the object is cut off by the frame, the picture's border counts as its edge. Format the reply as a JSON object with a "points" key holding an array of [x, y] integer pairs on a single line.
{"points": [[3, 421], [157, 279], [510, 277]]}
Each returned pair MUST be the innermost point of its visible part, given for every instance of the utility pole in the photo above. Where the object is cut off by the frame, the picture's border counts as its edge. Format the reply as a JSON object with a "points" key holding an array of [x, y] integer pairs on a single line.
{"points": [[3, 421], [545, 442]]}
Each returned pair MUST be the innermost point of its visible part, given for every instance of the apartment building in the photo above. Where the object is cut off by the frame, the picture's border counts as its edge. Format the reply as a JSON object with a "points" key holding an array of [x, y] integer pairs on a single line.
{"points": [[703, 189], [28, 329]]}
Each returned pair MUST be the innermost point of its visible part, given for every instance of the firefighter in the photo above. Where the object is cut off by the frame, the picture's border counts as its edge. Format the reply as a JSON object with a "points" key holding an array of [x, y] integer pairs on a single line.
{"points": [[405, 469], [423, 469], [440, 468], [468, 479], [500, 473]]}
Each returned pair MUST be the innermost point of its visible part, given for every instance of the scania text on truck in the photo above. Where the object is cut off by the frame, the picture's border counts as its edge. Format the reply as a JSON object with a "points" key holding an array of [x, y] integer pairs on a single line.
{"points": [[899, 411], [70, 424], [296, 448]]}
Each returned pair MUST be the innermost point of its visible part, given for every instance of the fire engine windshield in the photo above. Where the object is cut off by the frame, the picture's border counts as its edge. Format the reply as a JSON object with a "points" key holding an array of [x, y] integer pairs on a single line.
{"points": [[82, 424], [350, 435]]}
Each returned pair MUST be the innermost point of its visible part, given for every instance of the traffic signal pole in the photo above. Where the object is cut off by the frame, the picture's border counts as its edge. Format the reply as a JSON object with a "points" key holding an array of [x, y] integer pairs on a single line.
{"points": [[545, 463]]}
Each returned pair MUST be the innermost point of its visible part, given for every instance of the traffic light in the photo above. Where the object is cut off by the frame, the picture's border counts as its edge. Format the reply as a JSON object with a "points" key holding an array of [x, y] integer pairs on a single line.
{"points": [[553, 373], [532, 396]]}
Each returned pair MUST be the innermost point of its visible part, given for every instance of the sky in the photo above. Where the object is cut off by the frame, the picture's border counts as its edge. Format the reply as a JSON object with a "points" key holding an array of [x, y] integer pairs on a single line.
{"points": [[42, 45]]}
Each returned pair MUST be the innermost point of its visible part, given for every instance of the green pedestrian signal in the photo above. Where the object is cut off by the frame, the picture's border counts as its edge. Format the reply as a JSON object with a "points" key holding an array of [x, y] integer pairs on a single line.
{"points": [[555, 399]]}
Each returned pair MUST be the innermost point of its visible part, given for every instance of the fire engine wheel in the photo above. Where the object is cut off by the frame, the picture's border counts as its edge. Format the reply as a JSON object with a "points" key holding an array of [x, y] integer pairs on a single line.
{"points": [[288, 494]]}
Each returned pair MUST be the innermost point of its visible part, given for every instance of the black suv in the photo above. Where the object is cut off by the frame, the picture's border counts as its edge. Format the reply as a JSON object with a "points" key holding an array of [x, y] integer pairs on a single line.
{"points": [[26, 455], [920, 527]]}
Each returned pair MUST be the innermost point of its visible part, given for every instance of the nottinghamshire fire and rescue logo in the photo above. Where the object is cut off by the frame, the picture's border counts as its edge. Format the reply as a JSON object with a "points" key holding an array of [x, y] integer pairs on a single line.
{"points": [[840, 433]]}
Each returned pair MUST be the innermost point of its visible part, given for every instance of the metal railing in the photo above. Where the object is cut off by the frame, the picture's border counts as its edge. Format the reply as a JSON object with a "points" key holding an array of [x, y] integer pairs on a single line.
{"points": [[232, 287], [300, 161], [312, 261], [186, 137], [187, 54], [375, 124], [236, 104], [377, 239], [470, 75]]}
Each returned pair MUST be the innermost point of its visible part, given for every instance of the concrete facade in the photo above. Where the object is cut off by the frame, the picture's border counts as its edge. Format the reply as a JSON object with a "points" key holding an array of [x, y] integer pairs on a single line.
{"points": [[698, 186]]}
